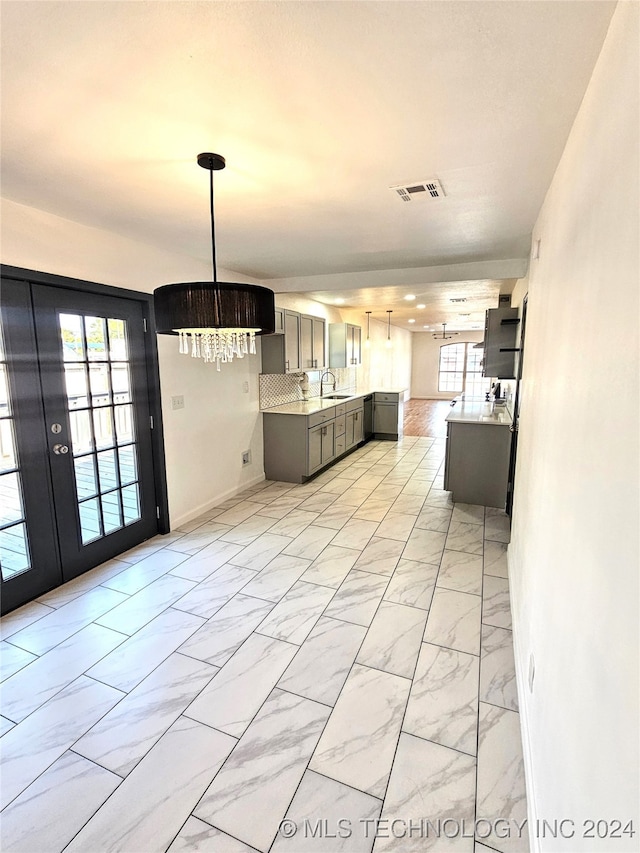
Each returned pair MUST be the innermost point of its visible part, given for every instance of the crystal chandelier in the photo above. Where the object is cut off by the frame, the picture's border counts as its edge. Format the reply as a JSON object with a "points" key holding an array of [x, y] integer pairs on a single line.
{"points": [[215, 321]]}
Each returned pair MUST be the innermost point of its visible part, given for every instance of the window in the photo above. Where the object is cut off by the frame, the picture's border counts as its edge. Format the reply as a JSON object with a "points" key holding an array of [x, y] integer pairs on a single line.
{"points": [[461, 370]]}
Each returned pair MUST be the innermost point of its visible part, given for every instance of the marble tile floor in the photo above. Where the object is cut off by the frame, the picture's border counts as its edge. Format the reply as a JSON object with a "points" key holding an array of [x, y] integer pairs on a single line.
{"points": [[324, 667]]}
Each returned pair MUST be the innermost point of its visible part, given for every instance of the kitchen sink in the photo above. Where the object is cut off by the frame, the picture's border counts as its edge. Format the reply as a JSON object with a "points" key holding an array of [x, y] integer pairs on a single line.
{"points": [[337, 396]]}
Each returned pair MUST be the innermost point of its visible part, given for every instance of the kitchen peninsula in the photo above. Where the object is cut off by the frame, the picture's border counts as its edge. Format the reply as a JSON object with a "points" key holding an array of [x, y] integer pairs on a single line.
{"points": [[303, 437], [478, 448]]}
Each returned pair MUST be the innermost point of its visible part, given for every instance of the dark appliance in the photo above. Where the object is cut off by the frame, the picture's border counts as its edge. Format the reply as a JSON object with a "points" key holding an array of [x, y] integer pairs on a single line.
{"points": [[368, 417]]}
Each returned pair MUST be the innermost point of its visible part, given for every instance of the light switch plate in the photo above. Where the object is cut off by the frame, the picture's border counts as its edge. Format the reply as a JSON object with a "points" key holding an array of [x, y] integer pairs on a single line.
{"points": [[177, 402]]}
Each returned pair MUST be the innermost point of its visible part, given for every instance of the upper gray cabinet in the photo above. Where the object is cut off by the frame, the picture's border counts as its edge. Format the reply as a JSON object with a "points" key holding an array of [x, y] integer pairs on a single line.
{"points": [[345, 345], [500, 335], [299, 344], [312, 342], [281, 352]]}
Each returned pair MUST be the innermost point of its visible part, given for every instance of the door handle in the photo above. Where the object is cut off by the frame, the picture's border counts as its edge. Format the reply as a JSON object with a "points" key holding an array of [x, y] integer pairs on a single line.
{"points": [[60, 449]]}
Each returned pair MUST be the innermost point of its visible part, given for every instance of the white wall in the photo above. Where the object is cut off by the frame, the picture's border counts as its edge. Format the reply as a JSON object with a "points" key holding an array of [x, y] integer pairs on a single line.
{"points": [[383, 368], [574, 553], [426, 363], [204, 441]]}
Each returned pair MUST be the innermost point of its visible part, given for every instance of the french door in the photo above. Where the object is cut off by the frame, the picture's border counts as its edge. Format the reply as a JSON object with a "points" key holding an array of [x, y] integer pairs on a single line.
{"points": [[77, 481]]}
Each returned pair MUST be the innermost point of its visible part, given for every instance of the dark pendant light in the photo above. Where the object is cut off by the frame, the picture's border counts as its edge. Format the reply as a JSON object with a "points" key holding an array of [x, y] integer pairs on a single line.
{"points": [[215, 320], [389, 343], [443, 336], [367, 343]]}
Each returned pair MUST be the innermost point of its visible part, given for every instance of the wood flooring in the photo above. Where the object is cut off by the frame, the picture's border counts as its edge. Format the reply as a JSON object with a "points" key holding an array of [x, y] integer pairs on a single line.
{"points": [[426, 418]]}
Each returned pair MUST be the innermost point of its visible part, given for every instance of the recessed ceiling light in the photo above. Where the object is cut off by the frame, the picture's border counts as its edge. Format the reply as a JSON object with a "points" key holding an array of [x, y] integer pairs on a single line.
{"points": [[409, 297], [422, 306], [339, 301], [425, 327], [410, 321]]}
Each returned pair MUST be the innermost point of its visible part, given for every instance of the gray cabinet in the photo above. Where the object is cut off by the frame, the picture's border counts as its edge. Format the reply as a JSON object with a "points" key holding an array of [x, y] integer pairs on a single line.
{"points": [[345, 345], [281, 352], [388, 415], [477, 463], [321, 446], [297, 446], [292, 341], [500, 335], [312, 343], [354, 426], [299, 344]]}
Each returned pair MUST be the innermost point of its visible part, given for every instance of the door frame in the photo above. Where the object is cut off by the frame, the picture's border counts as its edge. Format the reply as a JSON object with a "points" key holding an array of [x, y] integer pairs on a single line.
{"points": [[151, 362]]}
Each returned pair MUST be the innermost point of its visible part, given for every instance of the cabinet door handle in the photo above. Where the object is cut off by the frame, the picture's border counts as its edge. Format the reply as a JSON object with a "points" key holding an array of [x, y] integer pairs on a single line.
{"points": [[286, 364]]}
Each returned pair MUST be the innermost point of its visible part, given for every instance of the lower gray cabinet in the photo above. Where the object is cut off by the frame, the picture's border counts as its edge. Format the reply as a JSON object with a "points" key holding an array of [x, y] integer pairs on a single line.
{"points": [[298, 446], [477, 463], [388, 415], [321, 444], [354, 423]]}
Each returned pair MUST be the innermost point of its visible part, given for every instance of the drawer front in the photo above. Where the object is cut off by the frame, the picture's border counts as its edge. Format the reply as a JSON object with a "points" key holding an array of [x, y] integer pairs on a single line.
{"points": [[340, 444], [340, 410], [320, 417], [352, 405], [383, 397], [340, 422]]}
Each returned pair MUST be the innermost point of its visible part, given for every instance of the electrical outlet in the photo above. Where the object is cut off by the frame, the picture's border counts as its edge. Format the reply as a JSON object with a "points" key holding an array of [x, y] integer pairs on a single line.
{"points": [[246, 457], [177, 402], [245, 387], [532, 672]]}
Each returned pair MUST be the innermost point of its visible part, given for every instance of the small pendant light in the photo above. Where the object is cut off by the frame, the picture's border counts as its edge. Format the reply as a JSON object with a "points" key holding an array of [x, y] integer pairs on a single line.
{"points": [[215, 321], [367, 343], [388, 343], [443, 336]]}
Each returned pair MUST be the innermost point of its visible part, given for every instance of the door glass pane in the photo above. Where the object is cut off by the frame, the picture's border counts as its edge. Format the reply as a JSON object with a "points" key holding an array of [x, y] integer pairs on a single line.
{"points": [[8, 459], [75, 377], [14, 544], [106, 477], [99, 382], [86, 480], [4, 393], [103, 427], [81, 435], [130, 504], [124, 423], [14, 551], [120, 382], [117, 340], [10, 498], [72, 339], [127, 456], [107, 470], [90, 521], [111, 512], [96, 338]]}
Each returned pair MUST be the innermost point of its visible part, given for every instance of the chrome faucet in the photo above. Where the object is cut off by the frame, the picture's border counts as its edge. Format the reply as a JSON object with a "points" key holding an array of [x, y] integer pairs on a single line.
{"points": [[322, 380]]}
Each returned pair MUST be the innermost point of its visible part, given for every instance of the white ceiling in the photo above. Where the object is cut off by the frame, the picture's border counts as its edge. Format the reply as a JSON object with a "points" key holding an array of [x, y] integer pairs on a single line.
{"points": [[318, 107]]}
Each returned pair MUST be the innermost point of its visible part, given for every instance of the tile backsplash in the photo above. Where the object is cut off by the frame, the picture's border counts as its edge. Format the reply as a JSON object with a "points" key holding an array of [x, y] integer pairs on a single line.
{"points": [[279, 388]]}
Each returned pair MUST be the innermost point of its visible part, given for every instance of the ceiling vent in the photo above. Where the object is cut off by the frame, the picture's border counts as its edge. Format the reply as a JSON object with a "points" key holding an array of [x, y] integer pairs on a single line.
{"points": [[420, 190]]}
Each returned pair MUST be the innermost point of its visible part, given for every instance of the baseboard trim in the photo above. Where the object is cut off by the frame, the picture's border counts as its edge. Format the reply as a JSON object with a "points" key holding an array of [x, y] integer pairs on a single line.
{"points": [[210, 504], [522, 687]]}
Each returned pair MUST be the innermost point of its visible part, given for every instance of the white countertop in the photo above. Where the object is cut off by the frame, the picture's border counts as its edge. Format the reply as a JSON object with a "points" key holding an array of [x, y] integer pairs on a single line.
{"points": [[318, 404], [480, 413]]}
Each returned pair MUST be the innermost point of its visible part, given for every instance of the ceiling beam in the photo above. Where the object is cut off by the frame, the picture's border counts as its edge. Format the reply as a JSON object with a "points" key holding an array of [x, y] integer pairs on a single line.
{"points": [[475, 271]]}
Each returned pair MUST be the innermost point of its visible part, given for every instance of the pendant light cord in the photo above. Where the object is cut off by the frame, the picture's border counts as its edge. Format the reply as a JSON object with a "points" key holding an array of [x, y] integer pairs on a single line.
{"points": [[213, 231]]}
